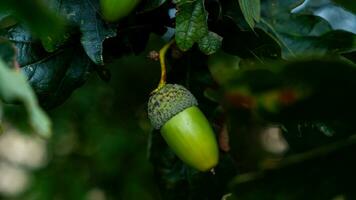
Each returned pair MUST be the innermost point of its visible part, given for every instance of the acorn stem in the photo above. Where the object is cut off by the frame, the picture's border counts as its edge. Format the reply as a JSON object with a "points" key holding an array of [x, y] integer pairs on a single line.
{"points": [[162, 55]]}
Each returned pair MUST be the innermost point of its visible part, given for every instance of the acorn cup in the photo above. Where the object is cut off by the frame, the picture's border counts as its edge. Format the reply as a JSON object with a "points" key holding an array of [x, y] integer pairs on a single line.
{"points": [[173, 110]]}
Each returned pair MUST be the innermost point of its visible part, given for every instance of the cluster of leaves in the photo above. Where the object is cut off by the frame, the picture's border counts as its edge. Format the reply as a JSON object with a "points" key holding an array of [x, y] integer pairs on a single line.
{"points": [[279, 70]]}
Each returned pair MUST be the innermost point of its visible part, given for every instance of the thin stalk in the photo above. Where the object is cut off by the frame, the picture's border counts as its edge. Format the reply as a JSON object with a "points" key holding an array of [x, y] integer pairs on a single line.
{"points": [[162, 56]]}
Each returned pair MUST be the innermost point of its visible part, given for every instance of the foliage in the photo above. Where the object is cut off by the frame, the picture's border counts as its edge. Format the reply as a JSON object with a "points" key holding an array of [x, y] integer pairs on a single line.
{"points": [[14, 88], [251, 11], [275, 78]]}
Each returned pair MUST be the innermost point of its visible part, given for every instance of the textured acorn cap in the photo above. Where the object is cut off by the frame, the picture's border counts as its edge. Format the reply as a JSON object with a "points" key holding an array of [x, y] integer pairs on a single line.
{"points": [[165, 103]]}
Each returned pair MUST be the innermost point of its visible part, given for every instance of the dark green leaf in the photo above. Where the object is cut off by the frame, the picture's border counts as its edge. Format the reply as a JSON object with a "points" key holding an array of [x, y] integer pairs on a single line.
{"points": [[85, 14], [53, 76], [41, 21], [251, 10], [210, 43], [336, 16], [302, 34], [191, 24]]}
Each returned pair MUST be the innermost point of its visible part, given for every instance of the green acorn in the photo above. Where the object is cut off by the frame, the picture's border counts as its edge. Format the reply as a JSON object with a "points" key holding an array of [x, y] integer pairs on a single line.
{"points": [[173, 110], [114, 10]]}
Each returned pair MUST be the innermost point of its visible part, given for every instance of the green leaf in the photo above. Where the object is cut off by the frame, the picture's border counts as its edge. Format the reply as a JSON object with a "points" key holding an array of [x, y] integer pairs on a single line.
{"points": [[300, 35], [210, 43], [251, 10], [338, 17], [47, 22], [53, 76], [14, 87], [349, 5], [94, 31], [191, 24], [44, 23]]}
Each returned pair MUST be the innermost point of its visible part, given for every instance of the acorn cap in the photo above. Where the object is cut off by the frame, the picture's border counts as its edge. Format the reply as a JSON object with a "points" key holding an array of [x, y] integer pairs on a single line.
{"points": [[168, 101]]}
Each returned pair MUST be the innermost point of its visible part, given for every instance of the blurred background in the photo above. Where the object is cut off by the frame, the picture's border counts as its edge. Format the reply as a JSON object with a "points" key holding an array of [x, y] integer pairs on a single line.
{"points": [[99, 148]]}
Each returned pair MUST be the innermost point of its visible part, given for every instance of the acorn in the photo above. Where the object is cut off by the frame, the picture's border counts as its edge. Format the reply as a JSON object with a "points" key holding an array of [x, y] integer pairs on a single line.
{"points": [[173, 110], [114, 10]]}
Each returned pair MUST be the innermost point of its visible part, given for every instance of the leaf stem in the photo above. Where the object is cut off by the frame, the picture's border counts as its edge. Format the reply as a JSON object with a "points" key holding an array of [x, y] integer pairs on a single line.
{"points": [[162, 55]]}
